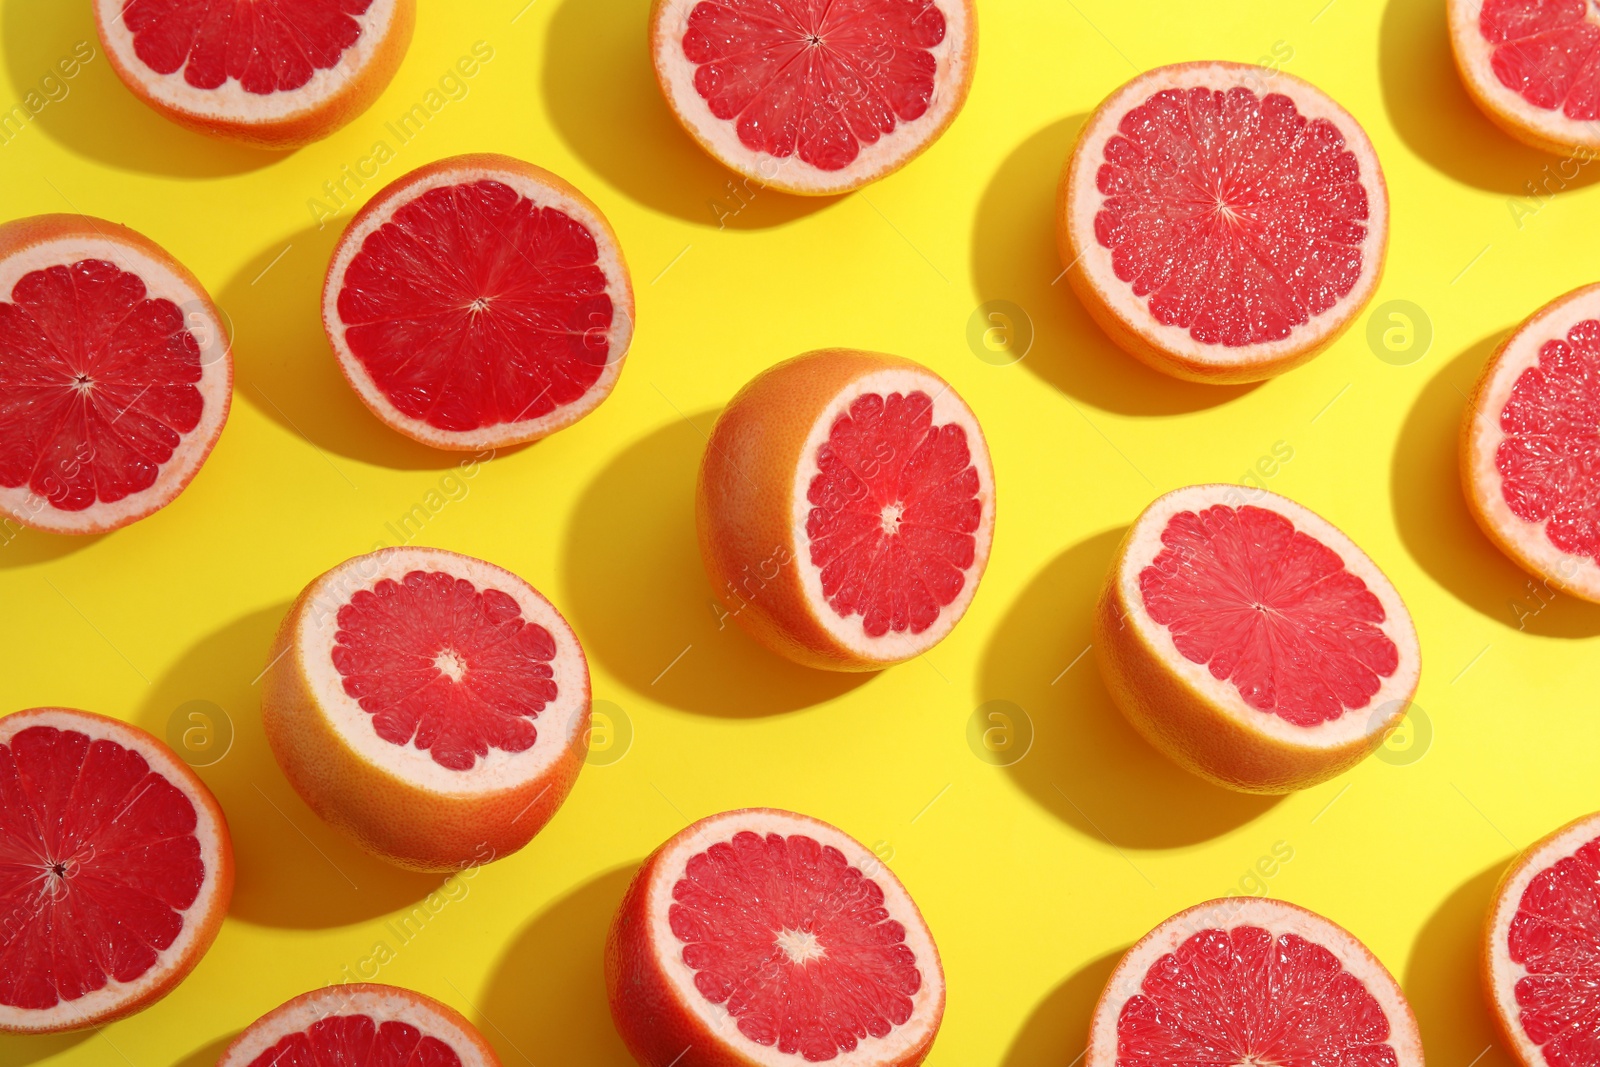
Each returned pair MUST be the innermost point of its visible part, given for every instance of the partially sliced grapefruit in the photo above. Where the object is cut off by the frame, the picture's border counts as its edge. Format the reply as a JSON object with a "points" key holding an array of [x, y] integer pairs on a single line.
{"points": [[1530, 445], [814, 98], [433, 706], [1222, 222], [1542, 951], [115, 374], [762, 938], [1251, 641], [1251, 980], [846, 508], [479, 302], [115, 870], [1533, 69], [270, 73], [360, 1024]]}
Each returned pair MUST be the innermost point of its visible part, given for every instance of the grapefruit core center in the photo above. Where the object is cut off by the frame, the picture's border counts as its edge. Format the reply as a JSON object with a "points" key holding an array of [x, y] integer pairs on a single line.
{"points": [[356, 1041], [1547, 52]]}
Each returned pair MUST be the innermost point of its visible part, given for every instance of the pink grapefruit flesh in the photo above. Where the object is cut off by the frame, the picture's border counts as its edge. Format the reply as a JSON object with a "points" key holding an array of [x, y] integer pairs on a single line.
{"points": [[1531, 65]]}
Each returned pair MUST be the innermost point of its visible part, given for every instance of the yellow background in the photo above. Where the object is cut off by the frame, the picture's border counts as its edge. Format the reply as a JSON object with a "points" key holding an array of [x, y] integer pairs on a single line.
{"points": [[1034, 877]]}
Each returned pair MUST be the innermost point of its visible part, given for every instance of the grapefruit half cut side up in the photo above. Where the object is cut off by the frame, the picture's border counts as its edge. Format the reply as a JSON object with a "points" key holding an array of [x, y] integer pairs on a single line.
{"points": [[1250, 980], [845, 508], [1222, 222], [762, 938], [1530, 445], [479, 302], [1251, 641], [115, 375], [270, 73], [115, 870], [360, 1024], [1531, 67], [432, 705], [1542, 951], [811, 98]]}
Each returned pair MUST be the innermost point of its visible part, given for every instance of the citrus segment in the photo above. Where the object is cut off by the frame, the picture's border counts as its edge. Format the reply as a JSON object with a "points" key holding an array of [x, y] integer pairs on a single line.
{"points": [[360, 1025], [1531, 66]]}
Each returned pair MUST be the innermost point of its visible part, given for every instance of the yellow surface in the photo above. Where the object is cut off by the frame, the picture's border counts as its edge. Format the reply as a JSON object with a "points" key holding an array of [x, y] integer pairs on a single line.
{"points": [[1034, 877]]}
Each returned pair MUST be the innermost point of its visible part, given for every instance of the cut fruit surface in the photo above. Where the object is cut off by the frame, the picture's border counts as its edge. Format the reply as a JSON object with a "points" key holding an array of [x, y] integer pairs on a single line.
{"points": [[360, 1024], [1532, 67], [1530, 445], [115, 870], [814, 98], [846, 508], [1248, 980], [479, 302], [270, 73], [1251, 641], [1222, 222], [434, 706], [115, 375], [762, 937], [1542, 951]]}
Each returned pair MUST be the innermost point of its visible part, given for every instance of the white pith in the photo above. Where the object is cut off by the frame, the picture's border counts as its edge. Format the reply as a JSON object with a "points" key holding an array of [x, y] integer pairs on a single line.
{"points": [[723, 1027], [1579, 575], [720, 137], [114, 995], [1095, 260], [1475, 56], [1144, 544], [230, 102], [215, 384], [559, 726], [1278, 919], [382, 1004], [947, 408], [610, 262], [1504, 972]]}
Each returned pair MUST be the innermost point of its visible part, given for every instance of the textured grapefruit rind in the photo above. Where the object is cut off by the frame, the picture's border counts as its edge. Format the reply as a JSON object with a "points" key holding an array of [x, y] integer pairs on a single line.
{"points": [[1499, 973], [380, 1003], [1276, 917], [544, 189], [1523, 542], [1202, 723], [201, 922], [409, 822], [261, 121], [664, 1019], [746, 499], [956, 57], [1126, 318], [83, 236]]}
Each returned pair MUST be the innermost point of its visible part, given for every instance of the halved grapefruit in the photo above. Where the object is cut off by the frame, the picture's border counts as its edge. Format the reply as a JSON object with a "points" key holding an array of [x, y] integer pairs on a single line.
{"points": [[360, 1024], [1251, 980], [1530, 445], [762, 938], [270, 73], [846, 508], [115, 374], [1222, 222], [479, 302], [115, 870], [1251, 641], [1532, 67], [431, 705], [814, 98], [1542, 950]]}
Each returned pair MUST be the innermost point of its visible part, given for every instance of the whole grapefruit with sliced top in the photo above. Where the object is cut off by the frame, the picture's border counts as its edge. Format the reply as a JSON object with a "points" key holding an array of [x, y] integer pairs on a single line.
{"points": [[433, 706], [1251, 641], [845, 508], [1222, 222], [1531, 67]]}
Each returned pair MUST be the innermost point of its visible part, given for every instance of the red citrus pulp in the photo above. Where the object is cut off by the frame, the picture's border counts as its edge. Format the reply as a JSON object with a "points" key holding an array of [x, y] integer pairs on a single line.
{"points": [[1532, 67]]}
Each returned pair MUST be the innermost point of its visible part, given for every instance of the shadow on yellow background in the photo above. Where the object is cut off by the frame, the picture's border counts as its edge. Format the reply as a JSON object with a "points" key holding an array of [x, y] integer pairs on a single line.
{"points": [[23, 548], [208, 1054], [1444, 981], [20, 1050], [1057, 1031]]}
